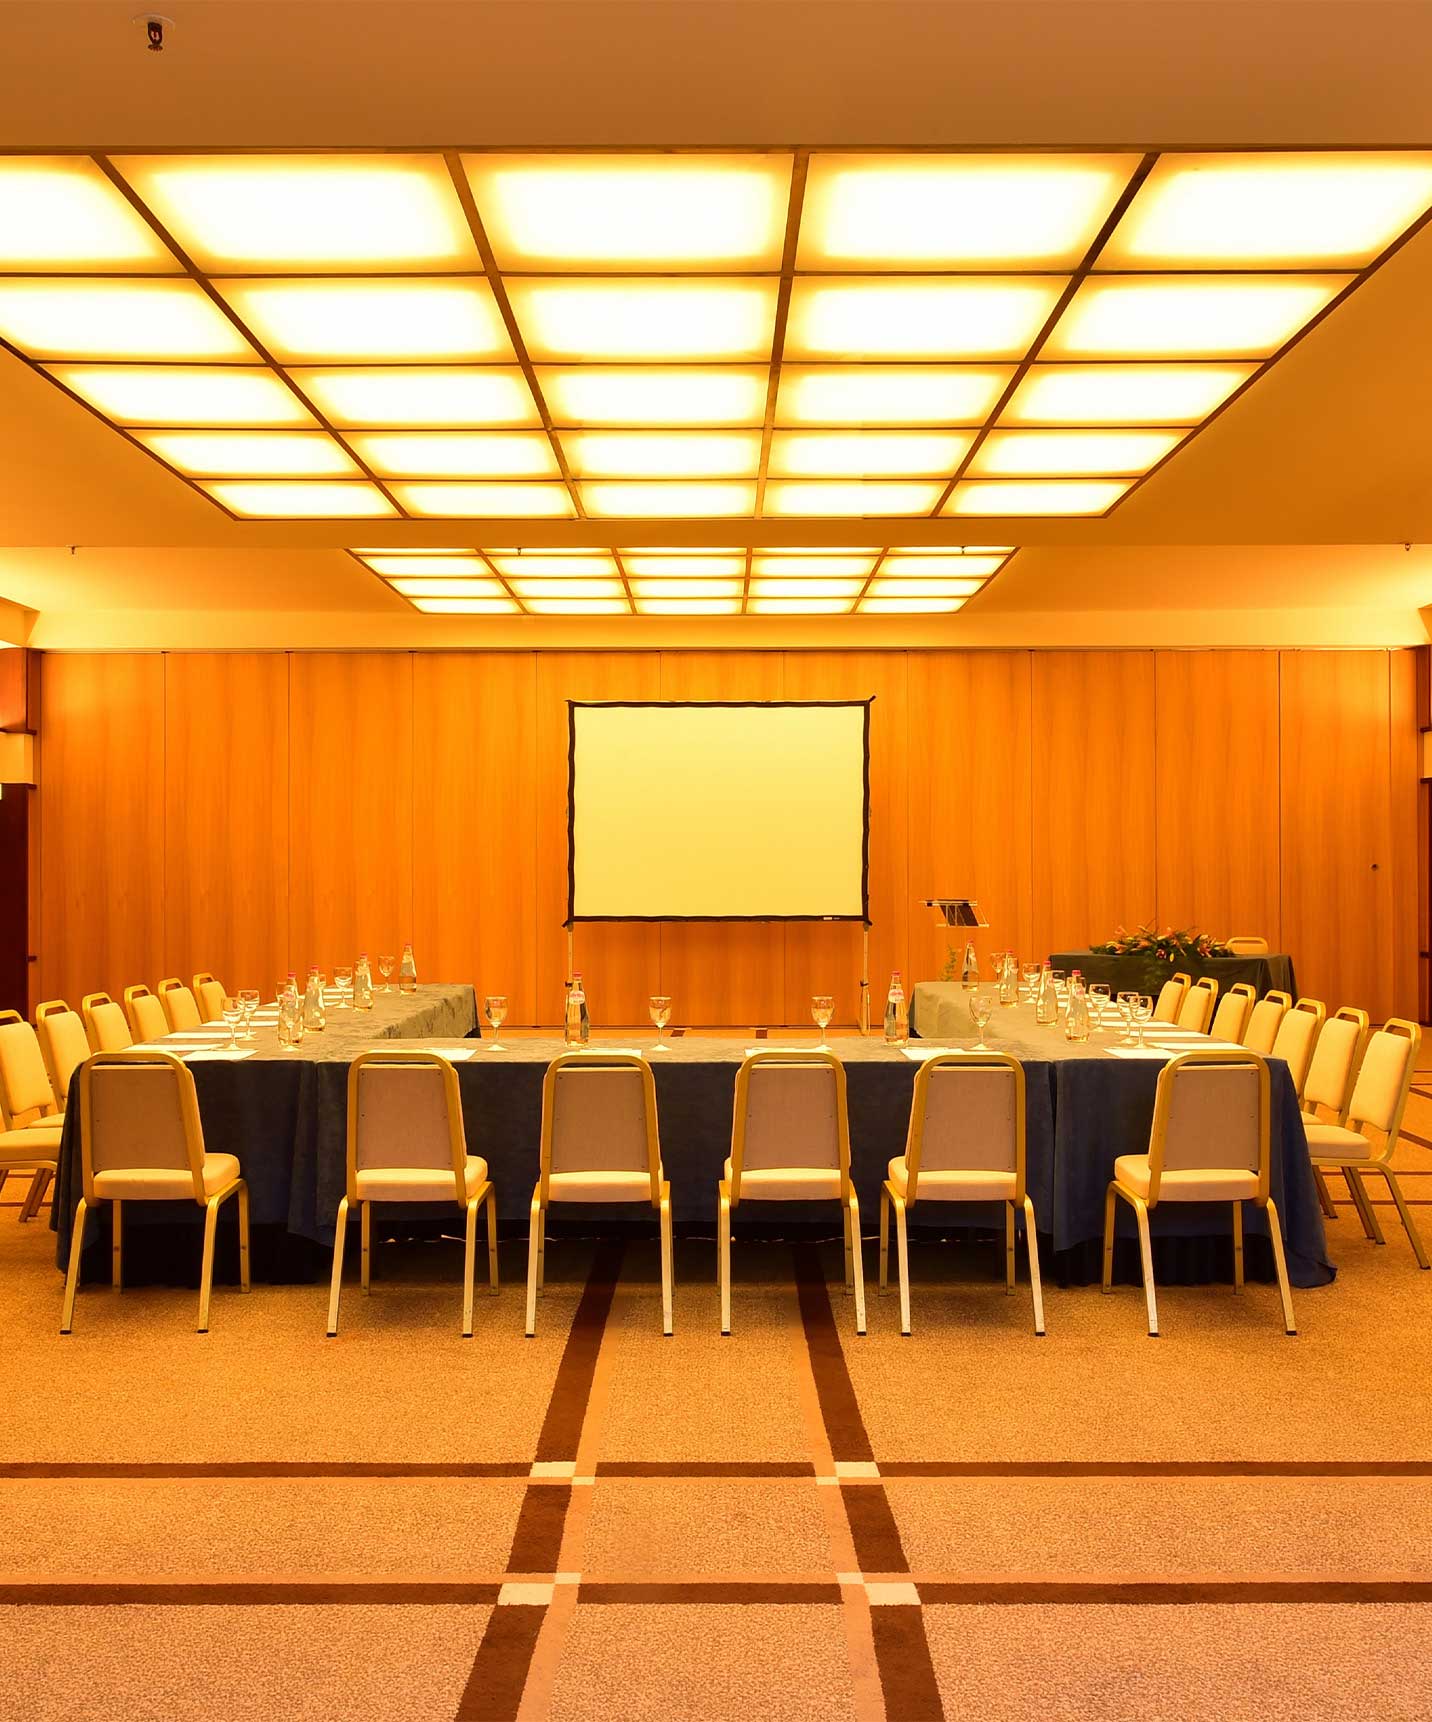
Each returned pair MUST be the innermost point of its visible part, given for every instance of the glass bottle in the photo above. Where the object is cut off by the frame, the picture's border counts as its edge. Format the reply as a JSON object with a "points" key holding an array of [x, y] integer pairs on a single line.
{"points": [[576, 1023], [362, 983], [1076, 1011], [315, 1017], [407, 972], [1046, 1001], [1009, 979], [897, 1027], [970, 969]]}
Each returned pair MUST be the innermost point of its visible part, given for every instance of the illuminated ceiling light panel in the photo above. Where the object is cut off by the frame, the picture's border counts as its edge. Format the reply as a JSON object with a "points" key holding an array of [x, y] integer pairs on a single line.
{"points": [[184, 395], [663, 454], [997, 550], [306, 212], [798, 606], [616, 499], [457, 454], [1194, 316], [405, 318], [645, 319], [410, 550], [786, 496], [299, 500], [889, 394], [909, 606], [538, 562], [449, 588], [684, 550], [975, 568], [806, 588], [653, 395], [820, 550], [466, 606], [55, 318], [568, 588], [956, 211], [632, 211], [859, 454], [924, 588], [688, 607], [256, 454], [687, 589], [1070, 453], [411, 563], [697, 566], [766, 562], [487, 501], [1051, 497], [495, 396], [578, 606], [1326, 210], [62, 212], [1122, 394], [970, 318]]}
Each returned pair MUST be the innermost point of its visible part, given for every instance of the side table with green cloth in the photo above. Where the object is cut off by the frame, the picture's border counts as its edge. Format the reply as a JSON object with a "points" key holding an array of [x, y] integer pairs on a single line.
{"points": [[1273, 971]]}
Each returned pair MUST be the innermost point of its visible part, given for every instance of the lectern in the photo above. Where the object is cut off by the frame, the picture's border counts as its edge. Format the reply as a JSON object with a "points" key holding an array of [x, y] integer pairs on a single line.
{"points": [[957, 911]]}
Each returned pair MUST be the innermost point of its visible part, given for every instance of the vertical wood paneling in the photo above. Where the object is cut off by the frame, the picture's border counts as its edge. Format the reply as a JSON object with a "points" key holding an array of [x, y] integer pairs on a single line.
{"points": [[102, 844], [1404, 926], [1093, 799], [226, 836], [1216, 792], [351, 879], [475, 821]]}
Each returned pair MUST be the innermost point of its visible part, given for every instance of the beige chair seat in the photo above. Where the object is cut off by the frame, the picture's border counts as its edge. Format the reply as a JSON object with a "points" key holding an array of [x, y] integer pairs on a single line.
{"points": [[596, 1186], [163, 1183], [26, 1147], [1333, 1142], [964, 1186], [1201, 1184], [45, 1129], [787, 1183], [418, 1183]]}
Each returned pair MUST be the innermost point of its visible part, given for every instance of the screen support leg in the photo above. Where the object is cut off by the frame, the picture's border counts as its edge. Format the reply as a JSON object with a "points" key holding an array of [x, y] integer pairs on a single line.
{"points": [[865, 980], [571, 952]]}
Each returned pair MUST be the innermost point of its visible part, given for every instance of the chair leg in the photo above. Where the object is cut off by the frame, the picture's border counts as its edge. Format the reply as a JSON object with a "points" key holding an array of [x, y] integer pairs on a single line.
{"points": [[245, 1266], [1371, 1225], [534, 1264], [1108, 1239], [1325, 1201], [845, 1237], [206, 1271], [469, 1265], [1035, 1285], [1238, 1246], [542, 1254], [1008, 1249], [1146, 1258], [1405, 1213], [36, 1195], [4, 1177], [857, 1257], [492, 1259], [116, 1245], [72, 1273], [1275, 1232], [723, 1254], [884, 1238], [666, 1262], [340, 1234], [365, 1216], [902, 1262]]}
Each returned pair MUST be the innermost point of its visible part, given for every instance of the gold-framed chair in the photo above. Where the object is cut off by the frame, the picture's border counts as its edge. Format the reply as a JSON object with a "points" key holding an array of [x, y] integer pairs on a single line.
{"points": [[141, 1140], [209, 996], [1247, 945], [790, 1142], [181, 1009], [1231, 1017], [63, 1045], [966, 1143], [106, 1025], [1261, 1029], [1198, 1003], [1297, 1037], [601, 1142], [1171, 996], [1327, 1089], [1210, 1142], [406, 1143], [1379, 1098], [30, 1122], [147, 1018]]}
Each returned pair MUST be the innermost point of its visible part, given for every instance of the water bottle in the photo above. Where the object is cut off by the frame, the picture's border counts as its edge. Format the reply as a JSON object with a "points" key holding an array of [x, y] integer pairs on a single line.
{"points": [[1046, 1002], [1009, 979], [970, 969], [407, 972], [1076, 1011], [314, 1015], [897, 1029], [362, 984], [576, 1023]]}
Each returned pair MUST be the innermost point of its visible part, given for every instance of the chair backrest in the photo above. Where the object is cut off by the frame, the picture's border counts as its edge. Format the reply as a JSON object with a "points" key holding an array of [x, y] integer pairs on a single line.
{"points": [[106, 1025], [1260, 1032], [1211, 1113], [25, 1091], [790, 1113], [1247, 945], [967, 1115], [405, 1113], [209, 995], [1335, 1060], [63, 1044], [179, 1004], [1389, 1063], [1170, 999], [147, 1020], [599, 1115], [1197, 1007], [1231, 1016], [139, 1112], [1297, 1036]]}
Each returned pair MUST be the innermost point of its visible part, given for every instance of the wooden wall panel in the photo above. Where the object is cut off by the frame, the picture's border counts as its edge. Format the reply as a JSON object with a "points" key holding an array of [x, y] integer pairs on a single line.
{"points": [[226, 831], [1093, 795], [351, 881], [102, 811], [1216, 792], [475, 821], [1408, 823]]}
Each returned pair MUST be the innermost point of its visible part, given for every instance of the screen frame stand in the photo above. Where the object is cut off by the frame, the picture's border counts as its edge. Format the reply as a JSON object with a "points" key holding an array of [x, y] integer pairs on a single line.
{"points": [[865, 979]]}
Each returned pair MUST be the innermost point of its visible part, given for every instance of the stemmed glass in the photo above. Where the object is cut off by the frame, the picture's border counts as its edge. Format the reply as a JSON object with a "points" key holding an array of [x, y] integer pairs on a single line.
{"points": [[1141, 1010], [343, 980], [981, 1009], [385, 968], [233, 1013], [1126, 1011], [1030, 973], [1098, 1000], [822, 1009], [496, 1007], [248, 1004], [660, 1008]]}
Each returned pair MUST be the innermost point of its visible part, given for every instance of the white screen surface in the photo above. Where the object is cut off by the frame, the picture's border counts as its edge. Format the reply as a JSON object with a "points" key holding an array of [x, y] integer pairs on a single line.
{"points": [[715, 812]]}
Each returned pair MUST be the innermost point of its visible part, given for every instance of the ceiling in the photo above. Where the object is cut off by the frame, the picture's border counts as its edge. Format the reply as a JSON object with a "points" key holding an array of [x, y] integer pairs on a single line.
{"points": [[813, 332]]}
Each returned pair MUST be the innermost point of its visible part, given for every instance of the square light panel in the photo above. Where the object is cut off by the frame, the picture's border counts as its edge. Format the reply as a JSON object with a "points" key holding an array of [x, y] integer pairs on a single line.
{"points": [[676, 567], [663, 454], [486, 501], [1122, 394], [473, 396], [644, 319], [372, 319], [850, 498], [975, 317], [924, 588], [1070, 453], [688, 606], [256, 454], [541, 562], [456, 454], [1036, 497], [467, 606], [1188, 316], [59, 318], [418, 588], [184, 394], [889, 394], [654, 395], [904, 562], [64, 212], [673, 499], [297, 500], [865, 454], [929, 606], [403, 563]]}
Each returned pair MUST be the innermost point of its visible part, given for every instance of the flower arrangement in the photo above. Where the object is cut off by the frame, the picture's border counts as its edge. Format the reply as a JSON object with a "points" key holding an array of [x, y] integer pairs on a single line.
{"points": [[1172, 945]]}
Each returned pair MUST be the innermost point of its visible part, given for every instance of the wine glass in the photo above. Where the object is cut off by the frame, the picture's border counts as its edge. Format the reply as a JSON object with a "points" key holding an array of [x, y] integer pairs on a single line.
{"points": [[660, 1007], [248, 1004], [496, 1007], [343, 980], [385, 968], [1031, 978], [822, 1009], [1141, 1010], [233, 1013], [981, 1009], [1097, 999], [1126, 1011]]}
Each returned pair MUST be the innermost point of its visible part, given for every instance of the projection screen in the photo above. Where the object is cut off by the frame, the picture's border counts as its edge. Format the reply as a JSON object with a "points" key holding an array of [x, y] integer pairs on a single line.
{"points": [[718, 811]]}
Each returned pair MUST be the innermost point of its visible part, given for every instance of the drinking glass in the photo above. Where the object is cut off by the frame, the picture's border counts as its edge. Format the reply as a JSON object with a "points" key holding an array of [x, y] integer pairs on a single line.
{"points": [[248, 1004], [1098, 997], [822, 1009], [981, 1009], [1141, 1010], [660, 1008], [385, 968], [1059, 980], [1126, 1011], [233, 1015], [496, 1007], [1031, 978], [343, 980]]}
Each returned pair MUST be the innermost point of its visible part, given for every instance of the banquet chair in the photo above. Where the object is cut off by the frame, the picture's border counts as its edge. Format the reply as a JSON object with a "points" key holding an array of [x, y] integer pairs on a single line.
{"points": [[1378, 1101], [209, 995], [1231, 1017], [30, 1126], [1261, 1029], [966, 1143], [141, 1141], [180, 1007], [790, 1142], [147, 1020], [1170, 999], [1296, 1037], [1327, 1089], [1197, 1007], [63, 1045], [406, 1144], [106, 1026], [1210, 1142], [1247, 945], [600, 1143]]}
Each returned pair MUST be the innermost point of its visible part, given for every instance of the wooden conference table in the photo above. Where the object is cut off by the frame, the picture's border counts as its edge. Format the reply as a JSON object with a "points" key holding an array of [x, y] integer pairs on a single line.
{"points": [[283, 1114]]}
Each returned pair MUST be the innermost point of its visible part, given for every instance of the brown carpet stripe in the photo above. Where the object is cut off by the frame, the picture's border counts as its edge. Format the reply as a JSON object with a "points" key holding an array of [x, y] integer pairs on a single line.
{"points": [[493, 1692], [567, 1409], [1146, 1593], [1158, 1468], [540, 1523], [261, 1469], [839, 1407], [732, 1468], [912, 1693], [731, 1592], [878, 1548], [227, 1593]]}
